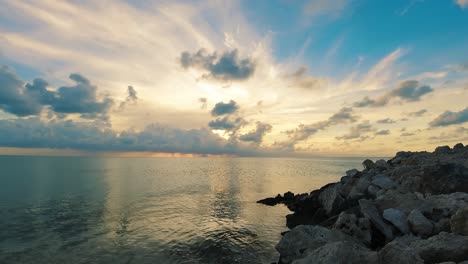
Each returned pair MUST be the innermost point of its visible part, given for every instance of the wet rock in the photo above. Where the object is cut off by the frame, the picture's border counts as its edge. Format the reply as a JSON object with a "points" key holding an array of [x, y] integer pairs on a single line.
{"points": [[384, 182], [368, 164], [396, 252], [442, 247], [344, 252], [459, 222], [371, 213], [356, 227], [420, 225], [331, 199], [398, 219], [304, 238]]}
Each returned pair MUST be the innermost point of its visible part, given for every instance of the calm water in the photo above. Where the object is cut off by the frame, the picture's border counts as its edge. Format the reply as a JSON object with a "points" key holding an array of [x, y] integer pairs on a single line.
{"points": [[149, 210]]}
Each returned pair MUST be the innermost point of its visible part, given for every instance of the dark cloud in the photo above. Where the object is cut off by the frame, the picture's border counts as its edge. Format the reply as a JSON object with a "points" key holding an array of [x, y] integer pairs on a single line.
{"points": [[301, 79], [450, 118], [225, 67], [132, 97], [34, 133], [358, 131], [386, 121], [222, 108], [407, 134], [418, 113], [408, 91], [30, 99], [382, 132], [227, 123], [257, 135], [303, 132]]}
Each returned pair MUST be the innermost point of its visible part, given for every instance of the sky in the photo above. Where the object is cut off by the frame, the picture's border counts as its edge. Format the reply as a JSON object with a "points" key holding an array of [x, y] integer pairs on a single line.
{"points": [[232, 78]]}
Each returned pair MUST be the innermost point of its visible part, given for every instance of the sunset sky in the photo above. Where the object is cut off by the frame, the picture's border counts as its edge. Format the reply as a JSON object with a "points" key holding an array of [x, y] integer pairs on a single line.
{"points": [[242, 78]]}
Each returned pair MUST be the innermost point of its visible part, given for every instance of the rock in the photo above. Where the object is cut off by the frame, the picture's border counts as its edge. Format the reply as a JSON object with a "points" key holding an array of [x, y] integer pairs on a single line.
{"points": [[359, 189], [356, 227], [458, 146], [445, 205], [398, 219], [384, 182], [382, 164], [372, 190], [396, 252], [344, 252], [331, 199], [295, 243], [371, 213], [271, 201], [442, 150], [459, 222], [353, 173], [442, 247], [368, 164], [288, 196], [420, 225], [443, 225], [405, 202], [445, 178]]}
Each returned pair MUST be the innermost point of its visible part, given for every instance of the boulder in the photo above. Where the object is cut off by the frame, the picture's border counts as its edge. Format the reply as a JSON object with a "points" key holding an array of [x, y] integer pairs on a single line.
{"points": [[458, 147], [445, 178], [443, 225], [382, 164], [442, 247], [372, 190], [331, 199], [384, 182], [370, 212], [368, 164], [442, 150], [353, 173], [459, 222], [343, 252], [304, 238], [358, 228], [420, 225], [398, 219], [396, 252]]}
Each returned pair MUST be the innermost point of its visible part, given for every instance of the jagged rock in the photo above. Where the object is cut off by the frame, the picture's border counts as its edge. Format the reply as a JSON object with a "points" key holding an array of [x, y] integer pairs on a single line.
{"points": [[384, 182], [442, 150], [398, 219], [371, 212], [368, 164], [459, 222], [396, 252], [344, 252], [331, 199], [445, 178], [382, 164], [295, 243], [420, 225], [442, 247], [356, 227]]}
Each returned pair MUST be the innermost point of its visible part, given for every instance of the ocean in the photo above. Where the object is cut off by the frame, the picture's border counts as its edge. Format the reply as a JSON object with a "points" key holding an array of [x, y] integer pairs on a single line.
{"points": [[150, 210]]}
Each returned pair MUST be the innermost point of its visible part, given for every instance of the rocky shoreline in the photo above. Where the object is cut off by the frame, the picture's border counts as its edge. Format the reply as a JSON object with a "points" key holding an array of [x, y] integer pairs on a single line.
{"points": [[412, 208]]}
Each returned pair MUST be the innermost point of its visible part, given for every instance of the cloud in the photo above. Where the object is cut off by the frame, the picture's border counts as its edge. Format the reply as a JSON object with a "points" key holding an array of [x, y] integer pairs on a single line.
{"points": [[408, 91], [462, 3], [418, 113], [324, 7], [407, 134], [203, 101], [34, 133], [222, 108], [382, 132], [357, 131], [27, 100], [450, 118], [257, 135], [226, 123], [224, 67], [301, 79], [386, 121], [132, 97], [303, 132]]}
